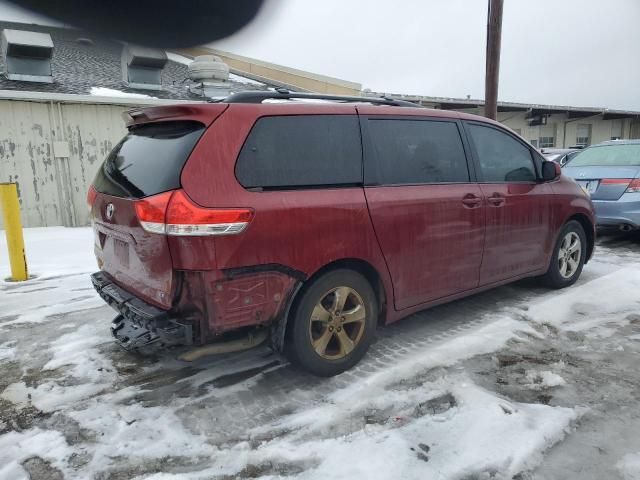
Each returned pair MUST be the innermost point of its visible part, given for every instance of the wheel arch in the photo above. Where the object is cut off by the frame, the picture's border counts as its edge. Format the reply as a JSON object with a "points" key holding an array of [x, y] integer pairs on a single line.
{"points": [[356, 264], [589, 231]]}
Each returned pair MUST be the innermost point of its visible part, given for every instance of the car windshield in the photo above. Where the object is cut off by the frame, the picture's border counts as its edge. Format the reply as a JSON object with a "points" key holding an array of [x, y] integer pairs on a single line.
{"points": [[608, 156], [552, 157]]}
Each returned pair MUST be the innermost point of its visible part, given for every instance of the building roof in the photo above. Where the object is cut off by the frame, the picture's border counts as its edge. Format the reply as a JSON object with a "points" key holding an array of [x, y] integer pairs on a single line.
{"points": [[447, 103], [82, 61]]}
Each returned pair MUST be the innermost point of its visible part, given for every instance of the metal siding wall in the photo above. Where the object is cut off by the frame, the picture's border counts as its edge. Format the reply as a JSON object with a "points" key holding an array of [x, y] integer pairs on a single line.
{"points": [[53, 190], [26, 157], [92, 131]]}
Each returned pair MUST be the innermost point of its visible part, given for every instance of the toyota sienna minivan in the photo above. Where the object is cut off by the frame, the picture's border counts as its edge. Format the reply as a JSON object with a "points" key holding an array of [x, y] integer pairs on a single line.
{"points": [[318, 222]]}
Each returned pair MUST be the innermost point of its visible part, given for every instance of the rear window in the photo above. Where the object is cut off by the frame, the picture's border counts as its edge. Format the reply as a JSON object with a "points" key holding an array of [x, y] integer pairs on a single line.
{"points": [[297, 151], [148, 160], [608, 156]]}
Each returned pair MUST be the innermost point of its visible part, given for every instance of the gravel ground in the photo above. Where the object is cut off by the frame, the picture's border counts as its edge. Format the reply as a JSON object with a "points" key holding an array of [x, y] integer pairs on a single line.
{"points": [[72, 405]]}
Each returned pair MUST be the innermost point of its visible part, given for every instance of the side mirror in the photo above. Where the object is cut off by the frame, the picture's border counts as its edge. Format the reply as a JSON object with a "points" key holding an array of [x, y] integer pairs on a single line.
{"points": [[550, 171]]}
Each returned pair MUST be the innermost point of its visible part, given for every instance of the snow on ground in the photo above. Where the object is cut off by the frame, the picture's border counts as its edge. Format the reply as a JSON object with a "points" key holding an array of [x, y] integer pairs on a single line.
{"points": [[110, 92], [419, 406], [629, 466]]}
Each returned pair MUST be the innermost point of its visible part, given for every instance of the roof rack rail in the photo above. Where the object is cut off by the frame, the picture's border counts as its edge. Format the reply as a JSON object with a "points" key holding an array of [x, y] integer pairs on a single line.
{"points": [[284, 94]]}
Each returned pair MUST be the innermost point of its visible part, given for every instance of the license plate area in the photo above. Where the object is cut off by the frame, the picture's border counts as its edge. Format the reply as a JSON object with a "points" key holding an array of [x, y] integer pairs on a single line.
{"points": [[121, 251]]}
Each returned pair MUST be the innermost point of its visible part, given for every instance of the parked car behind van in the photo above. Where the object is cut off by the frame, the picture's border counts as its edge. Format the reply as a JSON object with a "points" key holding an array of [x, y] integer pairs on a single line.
{"points": [[610, 173], [559, 155], [320, 222]]}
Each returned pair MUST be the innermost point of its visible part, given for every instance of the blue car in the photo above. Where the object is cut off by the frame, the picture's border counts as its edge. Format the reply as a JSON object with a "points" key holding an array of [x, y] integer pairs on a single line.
{"points": [[610, 173]]}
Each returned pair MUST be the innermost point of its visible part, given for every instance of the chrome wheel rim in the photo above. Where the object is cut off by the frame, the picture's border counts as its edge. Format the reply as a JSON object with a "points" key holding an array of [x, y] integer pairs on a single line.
{"points": [[569, 255], [337, 323]]}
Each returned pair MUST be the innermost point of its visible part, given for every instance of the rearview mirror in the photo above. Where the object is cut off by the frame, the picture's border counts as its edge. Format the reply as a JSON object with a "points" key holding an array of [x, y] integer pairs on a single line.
{"points": [[550, 171]]}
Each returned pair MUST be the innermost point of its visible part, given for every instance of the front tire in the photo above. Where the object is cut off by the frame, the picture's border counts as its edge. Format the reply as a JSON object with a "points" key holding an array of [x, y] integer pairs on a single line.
{"points": [[333, 323], [569, 255]]}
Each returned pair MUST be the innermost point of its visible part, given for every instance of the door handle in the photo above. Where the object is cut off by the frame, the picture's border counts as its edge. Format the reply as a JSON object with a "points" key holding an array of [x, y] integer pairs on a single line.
{"points": [[472, 201], [496, 199]]}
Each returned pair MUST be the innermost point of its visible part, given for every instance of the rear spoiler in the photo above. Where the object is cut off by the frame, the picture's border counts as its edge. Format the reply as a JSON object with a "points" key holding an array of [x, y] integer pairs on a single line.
{"points": [[204, 113]]}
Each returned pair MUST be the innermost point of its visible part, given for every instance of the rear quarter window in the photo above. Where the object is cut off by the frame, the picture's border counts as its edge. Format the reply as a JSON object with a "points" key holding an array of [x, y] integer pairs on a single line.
{"points": [[148, 160], [298, 151]]}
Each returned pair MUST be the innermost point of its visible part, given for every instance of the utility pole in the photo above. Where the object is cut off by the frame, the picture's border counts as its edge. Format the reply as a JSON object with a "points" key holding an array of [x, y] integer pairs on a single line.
{"points": [[494, 32]]}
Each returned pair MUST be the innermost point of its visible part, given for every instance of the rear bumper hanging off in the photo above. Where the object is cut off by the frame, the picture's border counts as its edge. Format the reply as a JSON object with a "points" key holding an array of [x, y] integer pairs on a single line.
{"points": [[140, 325]]}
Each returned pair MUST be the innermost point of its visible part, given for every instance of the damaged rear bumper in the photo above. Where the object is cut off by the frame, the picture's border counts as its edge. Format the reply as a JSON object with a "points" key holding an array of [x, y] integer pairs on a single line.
{"points": [[140, 325]]}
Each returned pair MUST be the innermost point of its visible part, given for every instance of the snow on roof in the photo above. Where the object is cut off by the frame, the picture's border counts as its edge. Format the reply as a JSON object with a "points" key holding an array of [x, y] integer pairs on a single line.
{"points": [[110, 92]]}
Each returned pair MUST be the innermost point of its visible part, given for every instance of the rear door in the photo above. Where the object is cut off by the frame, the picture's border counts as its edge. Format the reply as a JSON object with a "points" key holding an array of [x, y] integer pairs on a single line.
{"points": [[147, 161], [427, 210], [518, 205]]}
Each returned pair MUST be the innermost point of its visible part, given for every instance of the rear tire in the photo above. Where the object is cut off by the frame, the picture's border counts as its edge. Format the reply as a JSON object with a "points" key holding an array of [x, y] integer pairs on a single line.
{"points": [[568, 256], [333, 323]]}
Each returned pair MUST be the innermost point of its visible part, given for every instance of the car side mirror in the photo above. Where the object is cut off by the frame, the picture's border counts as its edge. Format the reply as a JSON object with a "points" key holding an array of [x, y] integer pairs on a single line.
{"points": [[550, 171]]}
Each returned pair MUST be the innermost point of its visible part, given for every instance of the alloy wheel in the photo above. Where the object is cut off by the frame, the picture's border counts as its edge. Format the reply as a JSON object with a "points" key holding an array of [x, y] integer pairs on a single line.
{"points": [[569, 255], [337, 323]]}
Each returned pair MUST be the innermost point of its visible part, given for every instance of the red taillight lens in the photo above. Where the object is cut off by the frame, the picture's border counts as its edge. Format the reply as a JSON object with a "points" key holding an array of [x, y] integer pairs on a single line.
{"points": [[184, 217], [151, 212], [634, 186], [174, 213], [91, 197], [615, 181]]}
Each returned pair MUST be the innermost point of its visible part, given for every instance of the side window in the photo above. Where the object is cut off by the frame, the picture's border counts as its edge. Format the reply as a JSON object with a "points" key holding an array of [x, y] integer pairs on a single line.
{"points": [[414, 152], [502, 158], [301, 151]]}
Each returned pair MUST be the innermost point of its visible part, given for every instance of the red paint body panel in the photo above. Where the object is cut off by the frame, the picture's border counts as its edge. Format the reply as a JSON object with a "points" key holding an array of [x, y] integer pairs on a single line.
{"points": [[136, 260], [432, 242], [427, 245], [518, 230]]}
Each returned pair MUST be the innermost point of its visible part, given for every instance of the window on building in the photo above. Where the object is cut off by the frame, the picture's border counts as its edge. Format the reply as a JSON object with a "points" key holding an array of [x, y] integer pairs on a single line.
{"points": [[583, 134], [294, 151], [415, 152], [616, 129], [502, 158], [547, 137]]}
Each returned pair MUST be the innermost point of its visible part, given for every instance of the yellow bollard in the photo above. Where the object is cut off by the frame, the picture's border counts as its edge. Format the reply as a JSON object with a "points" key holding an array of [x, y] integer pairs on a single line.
{"points": [[13, 227]]}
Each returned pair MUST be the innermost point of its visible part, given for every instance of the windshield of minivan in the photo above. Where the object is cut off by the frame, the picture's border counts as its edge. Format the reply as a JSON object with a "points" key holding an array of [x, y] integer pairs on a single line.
{"points": [[608, 156]]}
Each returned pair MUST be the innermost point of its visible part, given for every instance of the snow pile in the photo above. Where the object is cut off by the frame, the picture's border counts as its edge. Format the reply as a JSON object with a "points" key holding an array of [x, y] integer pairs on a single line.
{"points": [[110, 92], [53, 251], [35, 300], [583, 308], [540, 380], [137, 432], [7, 351], [91, 371], [629, 466], [15, 447], [476, 433]]}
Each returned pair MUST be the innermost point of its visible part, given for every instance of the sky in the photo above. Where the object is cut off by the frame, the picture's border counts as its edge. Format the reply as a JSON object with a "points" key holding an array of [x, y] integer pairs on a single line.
{"points": [[561, 52]]}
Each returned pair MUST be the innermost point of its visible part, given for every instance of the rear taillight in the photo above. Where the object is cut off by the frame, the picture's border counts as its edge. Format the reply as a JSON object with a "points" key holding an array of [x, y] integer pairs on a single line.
{"points": [[174, 213], [91, 197], [151, 212], [615, 181], [634, 186]]}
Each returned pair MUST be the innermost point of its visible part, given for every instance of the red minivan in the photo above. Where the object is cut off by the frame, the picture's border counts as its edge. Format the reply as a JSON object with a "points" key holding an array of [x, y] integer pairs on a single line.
{"points": [[316, 222]]}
